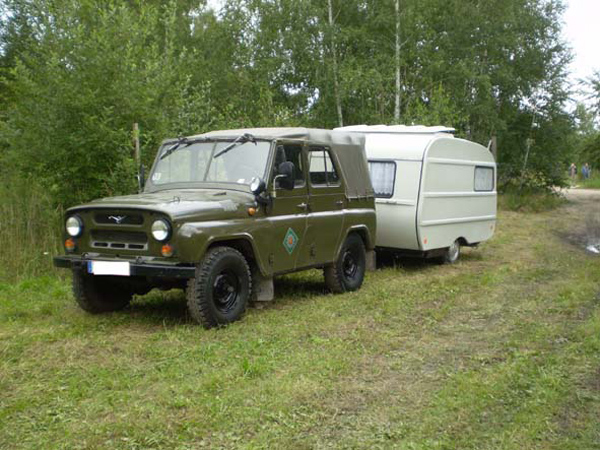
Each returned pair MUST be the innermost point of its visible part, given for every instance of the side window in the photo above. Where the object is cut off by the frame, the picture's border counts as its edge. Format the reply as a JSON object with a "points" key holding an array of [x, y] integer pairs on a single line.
{"points": [[484, 179], [322, 171], [291, 153], [383, 177]]}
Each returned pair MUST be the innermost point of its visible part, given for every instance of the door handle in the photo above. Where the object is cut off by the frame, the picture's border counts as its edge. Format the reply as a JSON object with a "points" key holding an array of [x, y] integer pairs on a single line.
{"points": [[303, 206], [340, 203]]}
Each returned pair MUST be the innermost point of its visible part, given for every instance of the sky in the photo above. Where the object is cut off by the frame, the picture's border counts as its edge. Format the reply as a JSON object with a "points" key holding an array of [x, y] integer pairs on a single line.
{"points": [[582, 32]]}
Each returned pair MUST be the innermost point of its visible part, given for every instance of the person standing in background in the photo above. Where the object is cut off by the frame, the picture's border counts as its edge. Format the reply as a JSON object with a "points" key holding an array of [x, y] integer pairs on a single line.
{"points": [[573, 173], [585, 171]]}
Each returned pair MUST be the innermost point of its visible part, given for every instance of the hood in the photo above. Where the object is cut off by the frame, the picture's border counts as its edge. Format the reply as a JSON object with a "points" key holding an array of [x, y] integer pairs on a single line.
{"points": [[180, 203]]}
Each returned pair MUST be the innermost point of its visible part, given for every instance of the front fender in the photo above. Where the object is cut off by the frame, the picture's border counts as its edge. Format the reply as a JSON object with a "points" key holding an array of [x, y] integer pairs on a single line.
{"points": [[194, 238]]}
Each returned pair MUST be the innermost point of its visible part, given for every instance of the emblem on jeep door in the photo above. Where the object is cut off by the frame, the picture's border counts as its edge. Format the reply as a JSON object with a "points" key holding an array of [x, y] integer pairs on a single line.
{"points": [[290, 241], [118, 219]]}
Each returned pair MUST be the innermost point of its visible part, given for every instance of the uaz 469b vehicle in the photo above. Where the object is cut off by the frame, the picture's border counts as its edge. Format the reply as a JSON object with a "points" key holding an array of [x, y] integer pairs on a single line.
{"points": [[221, 214]]}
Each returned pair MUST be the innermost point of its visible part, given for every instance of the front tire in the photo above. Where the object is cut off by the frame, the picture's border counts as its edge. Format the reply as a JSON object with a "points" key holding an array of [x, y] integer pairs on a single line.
{"points": [[348, 271], [220, 291], [100, 294]]}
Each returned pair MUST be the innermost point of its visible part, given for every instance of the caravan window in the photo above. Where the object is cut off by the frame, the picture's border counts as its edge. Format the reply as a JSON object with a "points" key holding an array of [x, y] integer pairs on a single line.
{"points": [[484, 179], [383, 176]]}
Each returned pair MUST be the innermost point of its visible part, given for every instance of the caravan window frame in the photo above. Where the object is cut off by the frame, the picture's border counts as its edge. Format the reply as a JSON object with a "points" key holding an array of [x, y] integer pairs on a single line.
{"points": [[389, 161], [493, 169]]}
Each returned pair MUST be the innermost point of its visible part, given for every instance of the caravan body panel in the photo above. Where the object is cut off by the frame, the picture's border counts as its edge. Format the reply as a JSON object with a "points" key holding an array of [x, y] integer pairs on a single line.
{"points": [[450, 207]]}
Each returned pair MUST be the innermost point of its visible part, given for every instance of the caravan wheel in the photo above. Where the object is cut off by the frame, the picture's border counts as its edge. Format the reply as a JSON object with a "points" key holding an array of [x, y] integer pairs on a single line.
{"points": [[452, 253]]}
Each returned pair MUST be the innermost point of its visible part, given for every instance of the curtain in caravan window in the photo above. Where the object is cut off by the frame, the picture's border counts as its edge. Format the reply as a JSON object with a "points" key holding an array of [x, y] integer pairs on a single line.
{"points": [[484, 179], [382, 177]]}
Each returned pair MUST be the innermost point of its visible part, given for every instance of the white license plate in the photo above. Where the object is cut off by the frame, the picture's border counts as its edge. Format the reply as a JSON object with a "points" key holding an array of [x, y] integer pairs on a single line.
{"points": [[118, 268]]}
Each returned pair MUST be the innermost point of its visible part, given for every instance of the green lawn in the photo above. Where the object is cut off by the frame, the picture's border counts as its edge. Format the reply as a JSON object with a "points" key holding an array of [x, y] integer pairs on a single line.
{"points": [[501, 350]]}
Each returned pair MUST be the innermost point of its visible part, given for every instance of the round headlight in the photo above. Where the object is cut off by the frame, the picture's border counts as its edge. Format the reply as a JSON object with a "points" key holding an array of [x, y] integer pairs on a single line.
{"points": [[161, 230], [74, 226]]}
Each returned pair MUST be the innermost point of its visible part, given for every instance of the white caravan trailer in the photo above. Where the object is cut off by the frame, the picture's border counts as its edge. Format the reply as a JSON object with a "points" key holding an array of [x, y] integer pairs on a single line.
{"points": [[435, 193]]}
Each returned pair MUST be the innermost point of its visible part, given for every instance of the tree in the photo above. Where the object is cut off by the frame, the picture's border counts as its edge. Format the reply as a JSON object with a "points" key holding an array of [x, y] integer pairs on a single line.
{"points": [[95, 69]]}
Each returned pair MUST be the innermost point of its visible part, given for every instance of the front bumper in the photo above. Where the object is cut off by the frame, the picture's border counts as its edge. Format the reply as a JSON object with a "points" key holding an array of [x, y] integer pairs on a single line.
{"points": [[137, 269]]}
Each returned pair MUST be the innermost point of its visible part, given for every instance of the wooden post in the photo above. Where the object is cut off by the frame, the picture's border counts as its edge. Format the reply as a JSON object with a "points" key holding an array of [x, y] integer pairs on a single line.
{"points": [[138, 155], [136, 143]]}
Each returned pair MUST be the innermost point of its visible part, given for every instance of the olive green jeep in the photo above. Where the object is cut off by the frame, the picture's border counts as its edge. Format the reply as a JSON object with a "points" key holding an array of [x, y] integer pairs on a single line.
{"points": [[221, 214]]}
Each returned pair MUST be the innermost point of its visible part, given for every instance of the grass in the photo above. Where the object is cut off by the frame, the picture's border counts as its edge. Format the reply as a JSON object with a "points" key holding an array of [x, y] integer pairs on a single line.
{"points": [[500, 351], [532, 202], [590, 183], [29, 230]]}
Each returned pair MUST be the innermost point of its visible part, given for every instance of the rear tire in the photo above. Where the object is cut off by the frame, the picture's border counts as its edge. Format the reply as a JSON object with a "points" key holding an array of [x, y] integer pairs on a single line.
{"points": [[348, 272], [100, 294], [221, 289]]}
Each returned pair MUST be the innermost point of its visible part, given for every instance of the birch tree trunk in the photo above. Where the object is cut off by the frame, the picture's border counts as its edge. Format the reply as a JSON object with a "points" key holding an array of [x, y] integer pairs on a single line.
{"points": [[336, 86], [397, 104]]}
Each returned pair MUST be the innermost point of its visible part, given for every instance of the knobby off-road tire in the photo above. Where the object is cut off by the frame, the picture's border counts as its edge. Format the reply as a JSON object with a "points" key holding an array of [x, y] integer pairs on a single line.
{"points": [[348, 272], [452, 253], [221, 289], [100, 294]]}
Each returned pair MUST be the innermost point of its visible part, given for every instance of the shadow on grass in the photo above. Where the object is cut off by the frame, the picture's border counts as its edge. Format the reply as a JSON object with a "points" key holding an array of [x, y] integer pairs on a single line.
{"points": [[169, 308], [417, 264], [160, 308]]}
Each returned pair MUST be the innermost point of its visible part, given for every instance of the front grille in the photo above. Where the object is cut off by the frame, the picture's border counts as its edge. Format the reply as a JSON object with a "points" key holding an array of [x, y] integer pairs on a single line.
{"points": [[123, 240], [119, 219]]}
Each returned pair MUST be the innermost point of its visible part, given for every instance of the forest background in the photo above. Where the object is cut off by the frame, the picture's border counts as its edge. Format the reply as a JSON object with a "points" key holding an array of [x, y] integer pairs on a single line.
{"points": [[75, 75]]}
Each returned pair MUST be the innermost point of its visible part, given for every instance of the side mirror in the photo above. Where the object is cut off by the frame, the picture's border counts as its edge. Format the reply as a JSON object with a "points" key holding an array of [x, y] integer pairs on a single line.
{"points": [[285, 178], [257, 186]]}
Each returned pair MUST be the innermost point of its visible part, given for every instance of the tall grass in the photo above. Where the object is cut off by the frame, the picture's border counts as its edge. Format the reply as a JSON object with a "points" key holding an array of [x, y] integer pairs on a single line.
{"points": [[590, 183], [30, 229], [529, 201]]}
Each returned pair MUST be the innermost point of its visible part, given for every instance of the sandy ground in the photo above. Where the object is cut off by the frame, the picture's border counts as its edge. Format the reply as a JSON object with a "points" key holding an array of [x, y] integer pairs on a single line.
{"points": [[576, 194], [584, 207]]}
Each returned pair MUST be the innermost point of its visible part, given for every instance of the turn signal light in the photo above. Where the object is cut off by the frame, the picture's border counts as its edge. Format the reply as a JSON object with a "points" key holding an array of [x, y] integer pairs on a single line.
{"points": [[251, 211], [167, 250], [70, 245]]}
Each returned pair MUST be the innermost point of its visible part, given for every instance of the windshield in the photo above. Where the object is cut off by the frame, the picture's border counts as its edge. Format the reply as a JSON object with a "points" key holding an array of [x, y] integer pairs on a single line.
{"points": [[196, 163]]}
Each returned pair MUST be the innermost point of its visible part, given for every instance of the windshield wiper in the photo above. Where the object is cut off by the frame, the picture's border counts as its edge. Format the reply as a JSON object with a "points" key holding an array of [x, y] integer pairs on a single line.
{"points": [[174, 147], [246, 137], [181, 143]]}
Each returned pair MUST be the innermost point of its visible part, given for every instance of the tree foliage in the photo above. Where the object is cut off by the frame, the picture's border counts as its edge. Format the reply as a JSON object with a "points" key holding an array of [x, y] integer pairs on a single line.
{"points": [[76, 74]]}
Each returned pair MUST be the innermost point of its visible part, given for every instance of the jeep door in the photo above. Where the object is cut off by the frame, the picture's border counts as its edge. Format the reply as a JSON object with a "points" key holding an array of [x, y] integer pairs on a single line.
{"points": [[326, 207], [288, 213]]}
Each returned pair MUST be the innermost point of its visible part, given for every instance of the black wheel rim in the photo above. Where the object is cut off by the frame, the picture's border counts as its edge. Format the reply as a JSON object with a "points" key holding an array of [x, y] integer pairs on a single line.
{"points": [[226, 291], [349, 265]]}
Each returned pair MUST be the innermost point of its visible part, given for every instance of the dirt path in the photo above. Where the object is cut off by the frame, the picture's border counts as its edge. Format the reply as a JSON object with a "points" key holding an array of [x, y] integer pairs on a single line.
{"points": [[584, 208], [576, 194]]}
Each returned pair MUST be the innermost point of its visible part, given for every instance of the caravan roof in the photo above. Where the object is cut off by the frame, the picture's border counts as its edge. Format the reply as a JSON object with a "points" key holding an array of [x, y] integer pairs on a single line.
{"points": [[390, 141], [398, 129]]}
